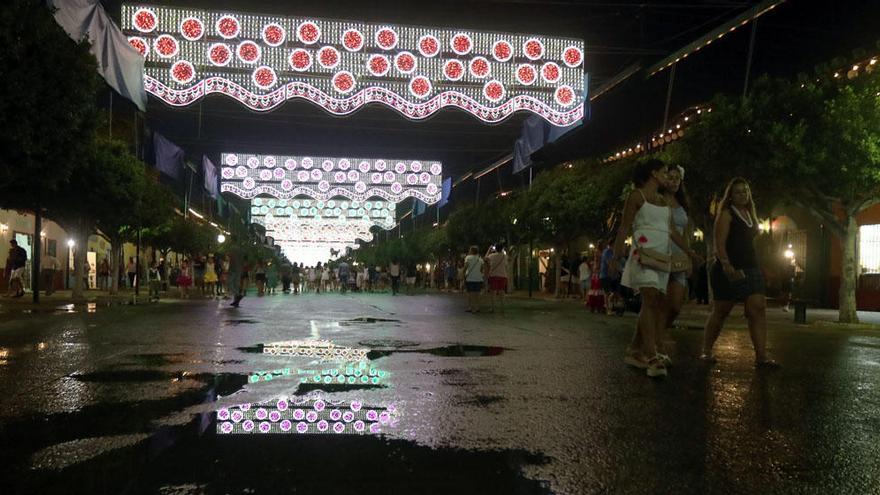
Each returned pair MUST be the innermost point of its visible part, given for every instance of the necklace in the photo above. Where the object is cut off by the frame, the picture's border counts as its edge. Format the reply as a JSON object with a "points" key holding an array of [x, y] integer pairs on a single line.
{"points": [[749, 223]]}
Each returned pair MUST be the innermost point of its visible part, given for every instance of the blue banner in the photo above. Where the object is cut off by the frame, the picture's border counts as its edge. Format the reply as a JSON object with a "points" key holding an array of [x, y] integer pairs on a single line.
{"points": [[210, 176], [169, 157], [446, 191]]}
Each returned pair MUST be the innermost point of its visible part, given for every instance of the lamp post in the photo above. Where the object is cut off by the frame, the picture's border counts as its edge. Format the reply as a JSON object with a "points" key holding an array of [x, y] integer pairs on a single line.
{"points": [[70, 244]]}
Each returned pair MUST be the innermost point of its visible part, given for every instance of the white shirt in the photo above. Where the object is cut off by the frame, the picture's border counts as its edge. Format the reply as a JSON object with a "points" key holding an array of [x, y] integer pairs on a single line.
{"points": [[584, 271], [473, 268], [497, 264]]}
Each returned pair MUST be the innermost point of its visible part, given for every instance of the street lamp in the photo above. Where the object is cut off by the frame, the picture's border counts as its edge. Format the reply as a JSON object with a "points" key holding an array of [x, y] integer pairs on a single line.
{"points": [[221, 238], [71, 243]]}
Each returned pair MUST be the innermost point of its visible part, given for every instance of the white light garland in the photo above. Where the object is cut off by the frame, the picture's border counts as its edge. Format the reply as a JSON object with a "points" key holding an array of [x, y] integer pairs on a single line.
{"points": [[424, 79]]}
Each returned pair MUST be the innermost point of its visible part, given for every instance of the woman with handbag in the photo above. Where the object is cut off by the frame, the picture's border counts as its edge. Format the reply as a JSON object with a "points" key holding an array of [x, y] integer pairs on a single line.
{"points": [[647, 270], [735, 274]]}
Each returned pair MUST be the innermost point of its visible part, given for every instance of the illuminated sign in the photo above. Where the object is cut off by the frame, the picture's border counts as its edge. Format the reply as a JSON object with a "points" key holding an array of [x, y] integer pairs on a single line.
{"points": [[325, 178], [263, 61]]}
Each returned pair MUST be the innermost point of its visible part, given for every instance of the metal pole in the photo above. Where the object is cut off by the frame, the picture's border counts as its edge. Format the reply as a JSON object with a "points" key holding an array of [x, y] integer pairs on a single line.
{"points": [[37, 252], [137, 264], [749, 60], [668, 97], [531, 260]]}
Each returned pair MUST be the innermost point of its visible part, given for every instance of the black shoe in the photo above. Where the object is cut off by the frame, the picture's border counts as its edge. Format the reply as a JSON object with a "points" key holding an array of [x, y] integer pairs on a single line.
{"points": [[235, 301]]}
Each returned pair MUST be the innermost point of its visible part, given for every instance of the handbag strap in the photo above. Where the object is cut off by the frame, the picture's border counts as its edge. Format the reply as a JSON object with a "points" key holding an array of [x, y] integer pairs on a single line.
{"points": [[470, 269]]}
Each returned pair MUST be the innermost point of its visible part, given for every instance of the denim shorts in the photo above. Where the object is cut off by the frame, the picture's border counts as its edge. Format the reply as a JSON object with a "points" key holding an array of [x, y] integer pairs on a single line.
{"points": [[736, 290]]}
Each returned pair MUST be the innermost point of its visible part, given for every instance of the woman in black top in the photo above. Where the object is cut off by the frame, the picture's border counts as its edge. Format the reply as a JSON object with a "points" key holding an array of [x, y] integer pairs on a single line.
{"points": [[736, 275]]}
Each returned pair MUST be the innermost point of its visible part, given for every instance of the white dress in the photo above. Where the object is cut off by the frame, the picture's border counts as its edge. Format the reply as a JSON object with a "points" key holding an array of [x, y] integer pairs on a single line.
{"points": [[650, 230]]}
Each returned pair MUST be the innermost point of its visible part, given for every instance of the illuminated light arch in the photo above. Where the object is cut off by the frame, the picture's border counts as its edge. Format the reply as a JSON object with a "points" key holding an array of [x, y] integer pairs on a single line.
{"points": [[377, 212], [312, 77], [286, 177]]}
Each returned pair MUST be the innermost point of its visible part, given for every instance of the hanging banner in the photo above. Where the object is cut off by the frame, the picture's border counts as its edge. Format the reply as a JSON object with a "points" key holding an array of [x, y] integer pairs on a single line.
{"points": [[263, 61], [446, 191], [210, 176], [118, 64], [169, 156]]}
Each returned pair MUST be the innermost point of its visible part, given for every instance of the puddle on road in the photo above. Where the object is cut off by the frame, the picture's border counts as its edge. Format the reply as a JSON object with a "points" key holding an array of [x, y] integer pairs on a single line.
{"points": [[366, 320], [388, 343], [223, 383], [305, 388], [39, 438], [447, 351], [254, 349], [196, 459], [240, 321], [176, 358]]}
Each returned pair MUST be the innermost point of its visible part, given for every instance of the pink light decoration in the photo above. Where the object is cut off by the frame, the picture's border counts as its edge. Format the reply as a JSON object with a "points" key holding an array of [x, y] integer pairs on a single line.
{"points": [[332, 417], [342, 66]]}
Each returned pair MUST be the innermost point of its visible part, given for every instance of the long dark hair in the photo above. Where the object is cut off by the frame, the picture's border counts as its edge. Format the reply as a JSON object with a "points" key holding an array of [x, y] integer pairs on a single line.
{"points": [[726, 200], [680, 195], [643, 170]]}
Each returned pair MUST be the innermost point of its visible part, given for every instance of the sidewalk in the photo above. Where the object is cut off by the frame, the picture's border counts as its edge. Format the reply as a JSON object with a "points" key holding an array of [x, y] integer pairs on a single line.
{"points": [[65, 298], [693, 316]]}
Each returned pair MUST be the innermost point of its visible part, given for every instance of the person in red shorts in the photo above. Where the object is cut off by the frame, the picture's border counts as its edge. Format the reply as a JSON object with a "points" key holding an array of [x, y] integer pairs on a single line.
{"points": [[496, 267]]}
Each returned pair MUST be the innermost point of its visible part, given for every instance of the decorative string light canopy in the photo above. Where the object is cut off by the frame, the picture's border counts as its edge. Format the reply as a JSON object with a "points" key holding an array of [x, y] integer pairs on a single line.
{"points": [[326, 230], [263, 61], [325, 178], [378, 213]]}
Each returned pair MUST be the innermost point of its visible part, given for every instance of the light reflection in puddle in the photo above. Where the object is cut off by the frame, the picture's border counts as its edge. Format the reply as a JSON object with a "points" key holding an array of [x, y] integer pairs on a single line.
{"points": [[308, 415], [358, 373], [322, 349], [313, 414]]}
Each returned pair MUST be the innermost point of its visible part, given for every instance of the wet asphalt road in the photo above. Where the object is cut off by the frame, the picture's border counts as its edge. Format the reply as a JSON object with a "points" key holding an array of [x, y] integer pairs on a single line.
{"points": [[536, 400]]}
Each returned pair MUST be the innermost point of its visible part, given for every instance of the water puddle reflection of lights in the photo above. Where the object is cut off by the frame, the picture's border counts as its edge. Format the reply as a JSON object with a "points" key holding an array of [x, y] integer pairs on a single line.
{"points": [[313, 413], [446, 351], [309, 415], [322, 349]]}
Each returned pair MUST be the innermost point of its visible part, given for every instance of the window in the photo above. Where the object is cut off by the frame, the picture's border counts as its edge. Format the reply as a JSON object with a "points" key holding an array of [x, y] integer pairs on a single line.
{"points": [[869, 248]]}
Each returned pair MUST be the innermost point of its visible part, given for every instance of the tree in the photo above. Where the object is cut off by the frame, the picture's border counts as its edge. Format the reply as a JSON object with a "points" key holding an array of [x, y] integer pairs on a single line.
{"points": [[813, 144], [47, 109], [567, 202], [104, 192], [830, 141]]}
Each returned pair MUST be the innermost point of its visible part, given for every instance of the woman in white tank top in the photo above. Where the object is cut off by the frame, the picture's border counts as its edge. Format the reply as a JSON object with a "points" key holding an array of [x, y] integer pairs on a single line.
{"points": [[647, 216]]}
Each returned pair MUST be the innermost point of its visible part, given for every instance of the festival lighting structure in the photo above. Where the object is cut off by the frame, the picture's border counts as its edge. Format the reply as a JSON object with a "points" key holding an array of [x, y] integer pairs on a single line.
{"points": [[263, 61], [378, 213], [308, 415], [323, 349], [325, 178], [318, 230]]}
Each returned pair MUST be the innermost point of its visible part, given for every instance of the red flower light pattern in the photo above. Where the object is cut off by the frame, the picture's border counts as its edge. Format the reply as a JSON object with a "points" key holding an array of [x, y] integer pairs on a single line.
{"points": [[192, 28]]}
